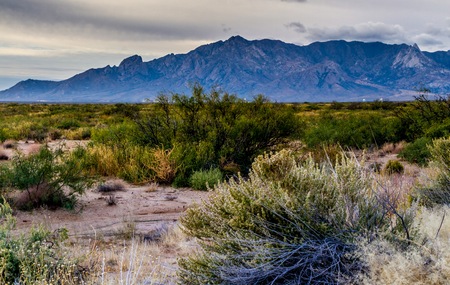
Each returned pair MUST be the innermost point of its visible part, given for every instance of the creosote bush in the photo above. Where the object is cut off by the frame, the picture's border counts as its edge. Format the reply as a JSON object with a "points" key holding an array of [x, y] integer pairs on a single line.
{"points": [[291, 222]]}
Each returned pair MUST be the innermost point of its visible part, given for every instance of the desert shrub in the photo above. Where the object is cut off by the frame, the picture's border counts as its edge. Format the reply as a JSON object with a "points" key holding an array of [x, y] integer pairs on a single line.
{"points": [[86, 133], [38, 256], [417, 151], [202, 179], [3, 135], [133, 163], [115, 134], [53, 178], [54, 134], [439, 190], [393, 166], [67, 124], [428, 115], [291, 222], [215, 128], [439, 129], [164, 166], [37, 132]]}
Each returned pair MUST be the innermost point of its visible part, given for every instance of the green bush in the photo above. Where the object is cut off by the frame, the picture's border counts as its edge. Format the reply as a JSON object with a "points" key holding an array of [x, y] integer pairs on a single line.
{"points": [[417, 151], [201, 180], [68, 124], [52, 178], [290, 222], [439, 129], [393, 166], [212, 128], [355, 129]]}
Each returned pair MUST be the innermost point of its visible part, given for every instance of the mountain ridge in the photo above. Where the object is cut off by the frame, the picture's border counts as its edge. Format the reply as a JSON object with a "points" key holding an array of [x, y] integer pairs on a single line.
{"points": [[321, 71]]}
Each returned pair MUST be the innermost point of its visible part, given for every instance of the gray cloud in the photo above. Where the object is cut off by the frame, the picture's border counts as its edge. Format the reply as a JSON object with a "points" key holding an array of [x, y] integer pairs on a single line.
{"points": [[297, 26], [369, 31], [62, 17], [80, 34], [427, 40]]}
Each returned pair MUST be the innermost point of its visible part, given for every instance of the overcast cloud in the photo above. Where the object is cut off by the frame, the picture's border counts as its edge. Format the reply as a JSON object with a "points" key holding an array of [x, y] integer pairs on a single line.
{"points": [[56, 39]]}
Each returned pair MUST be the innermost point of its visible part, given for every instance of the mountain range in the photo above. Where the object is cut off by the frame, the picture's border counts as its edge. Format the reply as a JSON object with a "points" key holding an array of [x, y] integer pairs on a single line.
{"points": [[322, 71]]}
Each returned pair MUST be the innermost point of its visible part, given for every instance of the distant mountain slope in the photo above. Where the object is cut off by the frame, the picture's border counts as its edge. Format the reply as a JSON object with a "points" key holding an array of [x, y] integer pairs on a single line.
{"points": [[321, 71]]}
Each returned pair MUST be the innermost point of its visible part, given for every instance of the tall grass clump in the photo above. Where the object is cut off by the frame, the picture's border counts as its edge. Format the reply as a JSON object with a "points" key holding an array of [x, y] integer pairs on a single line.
{"points": [[291, 222], [131, 162]]}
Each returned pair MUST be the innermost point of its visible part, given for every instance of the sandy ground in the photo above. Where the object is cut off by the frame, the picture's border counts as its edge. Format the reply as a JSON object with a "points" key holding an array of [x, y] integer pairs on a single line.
{"points": [[140, 210], [136, 211]]}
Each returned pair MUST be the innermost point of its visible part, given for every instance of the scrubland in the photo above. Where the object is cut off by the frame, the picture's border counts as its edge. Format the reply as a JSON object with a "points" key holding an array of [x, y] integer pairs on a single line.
{"points": [[332, 193]]}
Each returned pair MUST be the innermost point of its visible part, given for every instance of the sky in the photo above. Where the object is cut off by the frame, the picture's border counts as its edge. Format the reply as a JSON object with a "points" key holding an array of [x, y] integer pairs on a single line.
{"points": [[56, 39]]}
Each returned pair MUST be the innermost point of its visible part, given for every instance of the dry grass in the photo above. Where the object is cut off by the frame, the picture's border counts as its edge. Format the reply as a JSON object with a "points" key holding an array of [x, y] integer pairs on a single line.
{"points": [[136, 262], [152, 187], [393, 148], [164, 165], [426, 263], [106, 163]]}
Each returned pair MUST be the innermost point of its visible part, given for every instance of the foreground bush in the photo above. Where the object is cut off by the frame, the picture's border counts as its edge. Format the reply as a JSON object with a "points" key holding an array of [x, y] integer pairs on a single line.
{"points": [[290, 222], [52, 178], [426, 263], [36, 257]]}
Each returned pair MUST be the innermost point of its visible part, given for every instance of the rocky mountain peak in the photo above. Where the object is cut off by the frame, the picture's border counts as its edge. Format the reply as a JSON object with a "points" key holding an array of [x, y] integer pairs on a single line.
{"points": [[334, 70], [131, 66], [130, 61], [411, 57]]}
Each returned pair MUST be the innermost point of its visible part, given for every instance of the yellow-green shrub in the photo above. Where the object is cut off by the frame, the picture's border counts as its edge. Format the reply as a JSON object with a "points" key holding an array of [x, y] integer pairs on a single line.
{"points": [[291, 222], [439, 190]]}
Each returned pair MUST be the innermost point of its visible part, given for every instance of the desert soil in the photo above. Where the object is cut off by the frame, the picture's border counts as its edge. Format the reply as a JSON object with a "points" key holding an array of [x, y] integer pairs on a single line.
{"points": [[142, 210]]}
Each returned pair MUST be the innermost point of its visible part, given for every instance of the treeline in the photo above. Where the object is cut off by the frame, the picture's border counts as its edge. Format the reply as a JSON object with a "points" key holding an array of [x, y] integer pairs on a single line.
{"points": [[204, 131], [178, 135]]}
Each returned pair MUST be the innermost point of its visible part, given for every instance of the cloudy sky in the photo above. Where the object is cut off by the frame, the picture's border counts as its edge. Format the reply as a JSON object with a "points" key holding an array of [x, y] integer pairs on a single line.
{"points": [[56, 39]]}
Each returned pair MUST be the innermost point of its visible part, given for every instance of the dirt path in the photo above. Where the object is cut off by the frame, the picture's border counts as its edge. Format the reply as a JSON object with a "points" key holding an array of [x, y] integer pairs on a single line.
{"points": [[136, 211]]}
